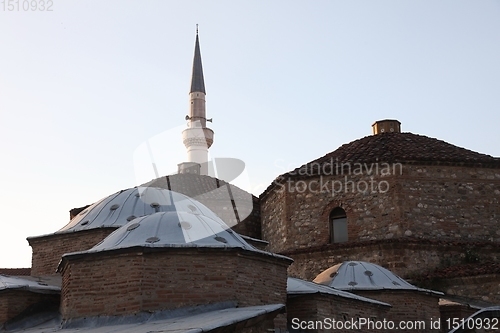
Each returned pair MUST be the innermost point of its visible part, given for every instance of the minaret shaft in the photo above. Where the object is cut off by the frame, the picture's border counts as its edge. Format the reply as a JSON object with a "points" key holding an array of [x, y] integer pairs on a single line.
{"points": [[197, 110]]}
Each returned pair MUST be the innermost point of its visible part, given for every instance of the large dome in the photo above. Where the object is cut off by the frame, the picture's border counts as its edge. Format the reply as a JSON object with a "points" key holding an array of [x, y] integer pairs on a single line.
{"points": [[389, 147], [122, 207], [173, 229], [404, 147]]}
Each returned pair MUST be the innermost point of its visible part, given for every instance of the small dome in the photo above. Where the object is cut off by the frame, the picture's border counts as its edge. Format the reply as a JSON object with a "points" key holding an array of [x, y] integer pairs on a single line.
{"points": [[173, 229], [360, 275], [122, 207], [302, 287]]}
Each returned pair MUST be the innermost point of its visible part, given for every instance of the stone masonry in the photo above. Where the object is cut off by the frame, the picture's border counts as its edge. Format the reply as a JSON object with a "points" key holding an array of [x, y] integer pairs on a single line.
{"points": [[422, 202]]}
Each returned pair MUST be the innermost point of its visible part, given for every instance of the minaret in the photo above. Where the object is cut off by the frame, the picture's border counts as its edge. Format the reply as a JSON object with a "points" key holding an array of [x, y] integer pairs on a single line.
{"points": [[197, 137]]}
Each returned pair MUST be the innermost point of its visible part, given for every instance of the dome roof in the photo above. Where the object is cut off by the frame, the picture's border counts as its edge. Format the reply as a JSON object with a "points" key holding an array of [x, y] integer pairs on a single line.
{"points": [[389, 147], [402, 147], [203, 186], [361, 275], [301, 287], [122, 207], [228, 201], [405, 147], [173, 229], [184, 223]]}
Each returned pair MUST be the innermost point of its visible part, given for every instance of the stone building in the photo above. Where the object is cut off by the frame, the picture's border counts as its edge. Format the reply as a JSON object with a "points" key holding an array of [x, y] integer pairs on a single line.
{"points": [[424, 208], [193, 253]]}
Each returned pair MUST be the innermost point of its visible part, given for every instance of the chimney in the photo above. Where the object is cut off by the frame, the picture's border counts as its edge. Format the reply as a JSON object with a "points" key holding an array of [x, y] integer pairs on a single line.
{"points": [[386, 126], [75, 211]]}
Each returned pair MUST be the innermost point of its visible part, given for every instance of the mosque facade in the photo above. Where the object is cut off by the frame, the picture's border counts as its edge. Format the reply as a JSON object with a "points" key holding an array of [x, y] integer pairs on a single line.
{"points": [[394, 227]]}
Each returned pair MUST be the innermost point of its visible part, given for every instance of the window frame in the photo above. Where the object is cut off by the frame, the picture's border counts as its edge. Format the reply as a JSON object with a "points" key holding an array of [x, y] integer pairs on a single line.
{"points": [[337, 219]]}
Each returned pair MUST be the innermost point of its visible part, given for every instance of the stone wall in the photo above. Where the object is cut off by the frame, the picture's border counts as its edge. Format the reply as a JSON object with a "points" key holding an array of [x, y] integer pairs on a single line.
{"points": [[435, 202], [484, 287], [274, 217], [296, 214], [144, 280], [48, 250], [251, 225], [450, 202], [406, 257], [14, 302]]}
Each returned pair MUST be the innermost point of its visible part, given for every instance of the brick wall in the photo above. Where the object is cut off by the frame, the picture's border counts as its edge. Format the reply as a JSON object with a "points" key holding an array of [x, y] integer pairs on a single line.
{"points": [[14, 302], [319, 307], [450, 311], [408, 306], [260, 324], [436, 202], [145, 280], [48, 250]]}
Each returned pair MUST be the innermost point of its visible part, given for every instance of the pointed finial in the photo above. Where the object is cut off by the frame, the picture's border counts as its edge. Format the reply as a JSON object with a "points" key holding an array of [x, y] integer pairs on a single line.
{"points": [[197, 83]]}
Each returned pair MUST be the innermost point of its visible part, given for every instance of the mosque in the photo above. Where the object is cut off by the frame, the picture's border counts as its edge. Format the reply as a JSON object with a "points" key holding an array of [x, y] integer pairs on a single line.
{"points": [[388, 229]]}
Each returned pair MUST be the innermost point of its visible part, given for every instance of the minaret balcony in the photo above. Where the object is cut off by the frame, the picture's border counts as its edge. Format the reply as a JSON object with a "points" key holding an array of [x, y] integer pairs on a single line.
{"points": [[198, 136]]}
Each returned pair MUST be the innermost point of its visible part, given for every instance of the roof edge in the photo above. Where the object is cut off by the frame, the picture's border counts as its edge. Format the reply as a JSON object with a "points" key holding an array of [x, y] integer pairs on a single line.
{"points": [[67, 232], [406, 241], [151, 249]]}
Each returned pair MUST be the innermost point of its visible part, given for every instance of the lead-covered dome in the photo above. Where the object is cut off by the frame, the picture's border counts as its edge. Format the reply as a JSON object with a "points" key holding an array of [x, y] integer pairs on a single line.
{"points": [[173, 229], [122, 207], [361, 275], [195, 227]]}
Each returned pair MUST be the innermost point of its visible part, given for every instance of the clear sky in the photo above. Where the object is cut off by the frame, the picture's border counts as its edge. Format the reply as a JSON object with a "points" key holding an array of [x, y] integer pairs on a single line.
{"points": [[86, 84]]}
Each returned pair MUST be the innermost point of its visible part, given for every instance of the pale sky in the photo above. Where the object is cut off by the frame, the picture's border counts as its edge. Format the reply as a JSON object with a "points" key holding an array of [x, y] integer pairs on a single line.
{"points": [[83, 86]]}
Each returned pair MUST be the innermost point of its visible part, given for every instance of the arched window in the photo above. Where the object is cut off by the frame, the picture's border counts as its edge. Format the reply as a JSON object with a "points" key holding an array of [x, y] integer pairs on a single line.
{"points": [[338, 226]]}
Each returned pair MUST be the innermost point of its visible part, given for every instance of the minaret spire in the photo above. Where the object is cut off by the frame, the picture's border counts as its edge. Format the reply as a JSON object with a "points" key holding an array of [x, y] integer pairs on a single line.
{"points": [[197, 137], [197, 81]]}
